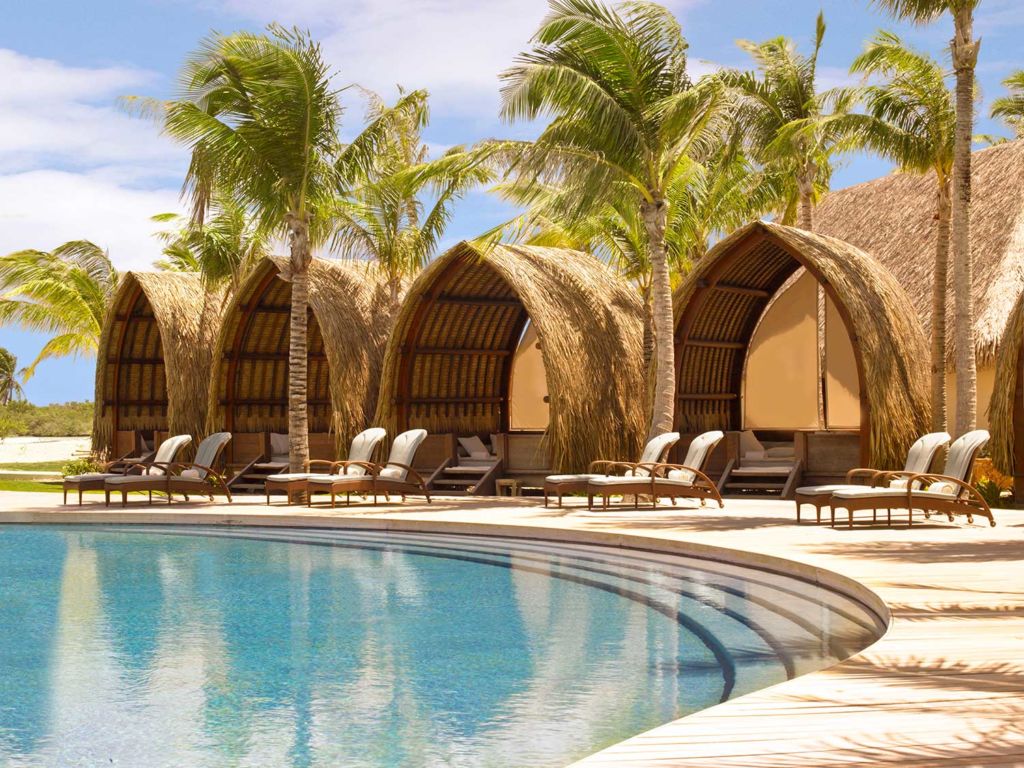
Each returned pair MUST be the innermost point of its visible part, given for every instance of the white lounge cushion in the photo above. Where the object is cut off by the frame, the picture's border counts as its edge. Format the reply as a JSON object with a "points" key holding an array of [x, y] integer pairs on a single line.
{"points": [[191, 474], [611, 480], [91, 476], [278, 444], [749, 443], [571, 478], [854, 493], [288, 476], [403, 451], [119, 480], [941, 488], [682, 477], [820, 490]]}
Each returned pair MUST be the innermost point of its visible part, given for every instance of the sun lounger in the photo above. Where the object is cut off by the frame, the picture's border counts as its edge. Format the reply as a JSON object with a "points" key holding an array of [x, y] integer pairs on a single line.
{"points": [[395, 476], [95, 481], [360, 453], [950, 492], [661, 480], [655, 451], [919, 459], [171, 477]]}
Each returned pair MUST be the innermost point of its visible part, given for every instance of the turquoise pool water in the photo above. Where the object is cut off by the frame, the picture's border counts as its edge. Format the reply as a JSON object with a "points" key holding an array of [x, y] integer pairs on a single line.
{"points": [[163, 646]]}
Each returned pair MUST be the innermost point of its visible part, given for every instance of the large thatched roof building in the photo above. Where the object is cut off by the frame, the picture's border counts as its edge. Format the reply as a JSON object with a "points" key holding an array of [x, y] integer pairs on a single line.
{"points": [[350, 313], [892, 218], [449, 362], [153, 361], [721, 303], [1006, 414]]}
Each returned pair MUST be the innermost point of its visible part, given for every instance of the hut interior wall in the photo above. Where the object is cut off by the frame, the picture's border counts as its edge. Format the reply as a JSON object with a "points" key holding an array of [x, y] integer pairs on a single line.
{"points": [[714, 339], [528, 398], [253, 386], [455, 370]]}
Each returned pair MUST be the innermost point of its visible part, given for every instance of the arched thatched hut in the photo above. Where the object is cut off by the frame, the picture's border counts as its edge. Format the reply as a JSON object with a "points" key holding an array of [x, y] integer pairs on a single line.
{"points": [[1006, 411], [449, 362], [722, 301], [153, 361], [350, 313]]}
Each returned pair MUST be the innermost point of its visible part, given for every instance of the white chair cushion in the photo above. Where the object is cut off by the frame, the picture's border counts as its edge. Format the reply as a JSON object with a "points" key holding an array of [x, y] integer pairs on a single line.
{"points": [[657, 445], [941, 488], [820, 490], [192, 474], [364, 444], [614, 480], [678, 477], [90, 476], [570, 478], [855, 492], [700, 448], [285, 477], [134, 479], [475, 447], [403, 451], [278, 444]]}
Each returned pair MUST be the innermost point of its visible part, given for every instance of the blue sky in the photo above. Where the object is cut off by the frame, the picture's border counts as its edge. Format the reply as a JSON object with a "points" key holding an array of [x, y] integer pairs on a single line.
{"points": [[73, 165]]}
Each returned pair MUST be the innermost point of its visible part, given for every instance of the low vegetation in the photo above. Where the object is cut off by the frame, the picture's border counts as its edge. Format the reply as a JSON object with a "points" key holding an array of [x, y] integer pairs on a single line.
{"points": [[56, 420]]}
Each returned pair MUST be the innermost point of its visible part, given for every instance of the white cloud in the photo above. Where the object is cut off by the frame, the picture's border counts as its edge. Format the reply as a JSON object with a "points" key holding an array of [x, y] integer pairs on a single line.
{"points": [[53, 115], [44, 208], [454, 48]]}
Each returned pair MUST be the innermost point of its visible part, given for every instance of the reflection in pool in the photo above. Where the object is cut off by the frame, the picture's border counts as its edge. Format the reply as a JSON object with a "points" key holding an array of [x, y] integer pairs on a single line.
{"points": [[256, 647]]}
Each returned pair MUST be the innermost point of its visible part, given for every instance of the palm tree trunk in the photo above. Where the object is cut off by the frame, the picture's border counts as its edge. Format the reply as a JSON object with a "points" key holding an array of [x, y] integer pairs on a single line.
{"points": [[648, 328], [965, 56], [655, 216], [298, 415], [940, 289], [805, 221]]}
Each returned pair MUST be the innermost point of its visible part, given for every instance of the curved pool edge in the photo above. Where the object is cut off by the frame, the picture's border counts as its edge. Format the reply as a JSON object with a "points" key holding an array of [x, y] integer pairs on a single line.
{"points": [[898, 701]]}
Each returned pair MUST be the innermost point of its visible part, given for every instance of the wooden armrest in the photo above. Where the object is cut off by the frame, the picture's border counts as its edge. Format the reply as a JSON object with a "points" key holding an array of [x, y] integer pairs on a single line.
{"points": [[182, 465], [373, 469], [407, 468], [666, 468], [863, 472], [310, 463], [926, 478], [611, 465]]}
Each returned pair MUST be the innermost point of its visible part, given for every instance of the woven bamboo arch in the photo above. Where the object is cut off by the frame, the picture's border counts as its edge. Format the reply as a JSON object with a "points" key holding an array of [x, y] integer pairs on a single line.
{"points": [[721, 301], [153, 361], [449, 361], [350, 313]]}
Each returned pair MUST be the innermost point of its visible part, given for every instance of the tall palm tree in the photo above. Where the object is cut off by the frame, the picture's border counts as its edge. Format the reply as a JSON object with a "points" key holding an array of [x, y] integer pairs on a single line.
{"points": [[789, 125], [1011, 108], [964, 48], [624, 113], [911, 120], [10, 387], [65, 292], [261, 116], [397, 212]]}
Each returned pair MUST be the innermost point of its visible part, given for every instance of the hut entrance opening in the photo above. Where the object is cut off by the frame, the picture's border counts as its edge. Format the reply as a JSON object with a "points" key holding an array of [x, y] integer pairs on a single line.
{"points": [[254, 376], [747, 359]]}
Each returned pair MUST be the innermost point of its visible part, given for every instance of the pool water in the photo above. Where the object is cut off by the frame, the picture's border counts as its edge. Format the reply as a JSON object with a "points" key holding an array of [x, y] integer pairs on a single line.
{"points": [[164, 646]]}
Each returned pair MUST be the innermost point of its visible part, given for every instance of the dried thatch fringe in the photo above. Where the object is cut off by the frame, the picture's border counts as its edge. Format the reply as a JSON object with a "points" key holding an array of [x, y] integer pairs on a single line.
{"points": [[351, 310], [892, 219], [589, 325], [170, 326], [892, 346], [1001, 408]]}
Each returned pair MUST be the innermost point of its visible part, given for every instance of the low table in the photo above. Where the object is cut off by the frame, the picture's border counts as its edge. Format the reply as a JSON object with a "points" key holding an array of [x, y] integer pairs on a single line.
{"points": [[510, 484], [291, 486]]}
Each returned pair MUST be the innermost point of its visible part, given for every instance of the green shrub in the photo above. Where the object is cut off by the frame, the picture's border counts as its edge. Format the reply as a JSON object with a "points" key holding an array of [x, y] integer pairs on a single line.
{"points": [[81, 466], [990, 491]]}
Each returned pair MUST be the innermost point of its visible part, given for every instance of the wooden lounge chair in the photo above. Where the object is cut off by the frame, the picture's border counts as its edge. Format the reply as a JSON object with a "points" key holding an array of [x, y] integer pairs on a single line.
{"points": [[176, 476], [395, 476], [660, 481], [360, 453], [919, 459], [655, 451], [950, 492], [199, 478], [95, 481]]}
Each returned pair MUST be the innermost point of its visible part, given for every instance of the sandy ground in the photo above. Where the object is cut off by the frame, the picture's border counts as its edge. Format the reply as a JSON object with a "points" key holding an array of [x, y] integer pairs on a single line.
{"points": [[15, 449]]}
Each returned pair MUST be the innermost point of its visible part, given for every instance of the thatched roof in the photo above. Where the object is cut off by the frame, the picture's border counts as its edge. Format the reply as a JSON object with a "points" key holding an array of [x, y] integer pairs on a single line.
{"points": [[153, 361], [892, 218], [350, 312], [721, 301], [448, 362], [1006, 393]]}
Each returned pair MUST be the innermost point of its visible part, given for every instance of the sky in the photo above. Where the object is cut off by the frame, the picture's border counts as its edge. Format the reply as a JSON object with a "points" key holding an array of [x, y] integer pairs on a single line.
{"points": [[74, 164]]}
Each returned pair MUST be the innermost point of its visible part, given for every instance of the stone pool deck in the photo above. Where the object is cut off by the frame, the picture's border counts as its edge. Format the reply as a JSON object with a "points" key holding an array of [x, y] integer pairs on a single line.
{"points": [[943, 687]]}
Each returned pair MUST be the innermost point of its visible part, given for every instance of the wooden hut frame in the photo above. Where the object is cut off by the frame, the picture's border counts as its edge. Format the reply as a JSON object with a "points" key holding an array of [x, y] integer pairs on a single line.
{"points": [[1006, 410], [153, 360], [448, 365], [350, 314], [722, 300]]}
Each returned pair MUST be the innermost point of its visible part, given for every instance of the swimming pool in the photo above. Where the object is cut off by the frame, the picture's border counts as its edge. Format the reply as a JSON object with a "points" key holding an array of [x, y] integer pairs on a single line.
{"points": [[163, 646]]}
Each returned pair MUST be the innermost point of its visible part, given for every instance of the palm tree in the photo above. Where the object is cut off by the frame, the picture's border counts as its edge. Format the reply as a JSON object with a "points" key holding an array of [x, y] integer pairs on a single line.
{"points": [[65, 292], [705, 200], [1011, 108], [397, 213], [912, 121], [261, 115], [625, 115], [789, 126], [10, 387], [964, 48]]}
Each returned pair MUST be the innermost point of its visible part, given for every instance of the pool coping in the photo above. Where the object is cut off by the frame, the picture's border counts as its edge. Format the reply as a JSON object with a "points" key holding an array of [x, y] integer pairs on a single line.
{"points": [[792, 723]]}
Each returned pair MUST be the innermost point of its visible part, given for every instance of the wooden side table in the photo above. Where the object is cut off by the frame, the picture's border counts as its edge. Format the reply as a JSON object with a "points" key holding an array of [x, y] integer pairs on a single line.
{"points": [[509, 484]]}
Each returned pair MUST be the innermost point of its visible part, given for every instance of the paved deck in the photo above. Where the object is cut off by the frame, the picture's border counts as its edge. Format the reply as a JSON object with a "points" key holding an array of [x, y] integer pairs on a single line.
{"points": [[943, 687]]}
